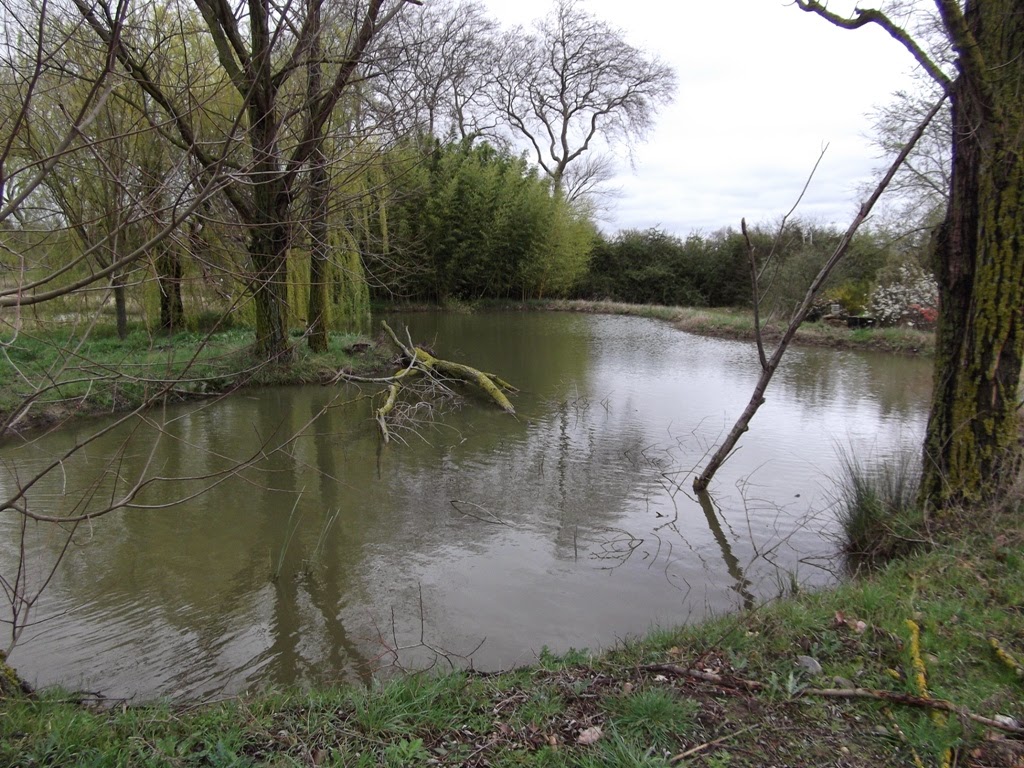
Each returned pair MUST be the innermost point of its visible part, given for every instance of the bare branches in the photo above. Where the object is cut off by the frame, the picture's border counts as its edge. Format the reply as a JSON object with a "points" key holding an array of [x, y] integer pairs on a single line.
{"points": [[700, 483], [576, 81], [865, 16]]}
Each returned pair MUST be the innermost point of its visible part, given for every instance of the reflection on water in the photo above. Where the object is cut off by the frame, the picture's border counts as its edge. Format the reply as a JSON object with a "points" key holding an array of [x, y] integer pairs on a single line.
{"points": [[324, 557]]}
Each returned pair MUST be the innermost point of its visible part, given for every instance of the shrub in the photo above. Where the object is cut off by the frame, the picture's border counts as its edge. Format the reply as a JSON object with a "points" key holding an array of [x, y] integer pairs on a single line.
{"points": [[852, 296], [911, 298], [878, 506]]}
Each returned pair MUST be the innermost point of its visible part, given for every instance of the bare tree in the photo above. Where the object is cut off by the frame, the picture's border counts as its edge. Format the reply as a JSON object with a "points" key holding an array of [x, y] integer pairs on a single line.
{"points": [[444, 60], [770, 363], [973, 425], [263, 149], [573, 83], [922, 184]]}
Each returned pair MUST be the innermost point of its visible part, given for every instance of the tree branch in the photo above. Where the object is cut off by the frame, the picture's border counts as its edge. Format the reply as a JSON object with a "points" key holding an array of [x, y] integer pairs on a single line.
{"points": [[700, 483], [866, 16]]}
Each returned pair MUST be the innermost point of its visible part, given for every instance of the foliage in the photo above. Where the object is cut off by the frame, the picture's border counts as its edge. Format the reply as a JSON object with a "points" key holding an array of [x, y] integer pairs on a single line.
{"points": [[908, 297], [471, 221], [653, 267], [852, 296]]}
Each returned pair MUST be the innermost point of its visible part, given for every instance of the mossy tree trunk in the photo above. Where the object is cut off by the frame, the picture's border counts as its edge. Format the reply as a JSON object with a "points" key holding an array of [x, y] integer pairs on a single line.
{"points": [[120, 305], [973, 430], [268, 250], [971, 444]]}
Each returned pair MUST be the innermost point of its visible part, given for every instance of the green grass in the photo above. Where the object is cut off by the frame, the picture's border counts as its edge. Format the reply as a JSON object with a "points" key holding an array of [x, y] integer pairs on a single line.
{"points": [[64, 372], [657, 716], [738, 324], [966, 588], [877, 505]]}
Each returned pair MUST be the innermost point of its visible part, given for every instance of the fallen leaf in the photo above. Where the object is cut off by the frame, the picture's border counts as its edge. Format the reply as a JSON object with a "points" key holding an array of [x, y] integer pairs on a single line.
{"points": [[590, 735]]}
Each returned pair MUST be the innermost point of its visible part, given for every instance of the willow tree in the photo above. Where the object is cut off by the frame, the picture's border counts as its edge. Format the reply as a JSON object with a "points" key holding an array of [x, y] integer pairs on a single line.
{"points": [[973, 430], [278, 126]]}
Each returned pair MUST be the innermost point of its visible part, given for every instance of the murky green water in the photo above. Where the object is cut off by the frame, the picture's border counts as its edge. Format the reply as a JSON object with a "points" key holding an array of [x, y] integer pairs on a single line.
{"points": [[327, 558]]}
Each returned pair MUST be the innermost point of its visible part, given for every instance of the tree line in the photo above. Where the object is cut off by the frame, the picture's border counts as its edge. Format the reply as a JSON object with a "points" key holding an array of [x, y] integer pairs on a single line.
{"points": [[286, 159]]}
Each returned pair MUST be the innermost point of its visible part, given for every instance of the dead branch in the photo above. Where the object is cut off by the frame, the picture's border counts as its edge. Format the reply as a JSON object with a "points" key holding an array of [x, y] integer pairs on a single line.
{"points": [[892, 697], [909, 700], [713, 743], [865, 16], [419, 364], [701, 482]]}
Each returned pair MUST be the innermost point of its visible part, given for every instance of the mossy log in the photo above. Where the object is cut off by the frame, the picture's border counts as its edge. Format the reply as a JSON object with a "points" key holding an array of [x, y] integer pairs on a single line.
{"points": [[10, 683], [420, 362]]}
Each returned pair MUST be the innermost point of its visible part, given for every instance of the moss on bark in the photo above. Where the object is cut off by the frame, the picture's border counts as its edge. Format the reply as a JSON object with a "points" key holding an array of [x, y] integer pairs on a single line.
{"points": [[972, 438]]}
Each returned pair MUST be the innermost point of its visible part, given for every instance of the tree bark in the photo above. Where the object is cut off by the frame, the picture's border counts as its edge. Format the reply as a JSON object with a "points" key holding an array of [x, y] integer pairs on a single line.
{"points": [[973, 429], [268, 250], [169, 272], [120, 305], [319, 194]]}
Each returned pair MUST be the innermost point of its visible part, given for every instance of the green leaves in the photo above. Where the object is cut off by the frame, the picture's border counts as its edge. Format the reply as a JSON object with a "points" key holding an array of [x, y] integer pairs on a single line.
{"points": [[472, 221]]}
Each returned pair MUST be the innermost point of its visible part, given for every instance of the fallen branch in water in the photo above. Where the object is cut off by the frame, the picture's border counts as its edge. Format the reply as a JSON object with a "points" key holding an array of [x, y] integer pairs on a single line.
{"points": [[420, 363]]}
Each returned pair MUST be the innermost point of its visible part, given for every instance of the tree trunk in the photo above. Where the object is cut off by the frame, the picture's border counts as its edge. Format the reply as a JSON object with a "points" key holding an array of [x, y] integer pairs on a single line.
{"points": [[172, 310], [972, 436], [120, 305], [268, 250], [270, 227], [319, 194]]}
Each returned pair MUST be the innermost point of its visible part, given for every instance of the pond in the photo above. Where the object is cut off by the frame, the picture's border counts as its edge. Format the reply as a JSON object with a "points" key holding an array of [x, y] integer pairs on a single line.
{"points": [[479, 540]]}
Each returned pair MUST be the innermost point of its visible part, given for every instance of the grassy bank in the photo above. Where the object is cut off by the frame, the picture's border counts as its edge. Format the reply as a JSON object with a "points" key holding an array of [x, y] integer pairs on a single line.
{"points": [[915, 662], [81, 374], [67, 375], [738, 324]]}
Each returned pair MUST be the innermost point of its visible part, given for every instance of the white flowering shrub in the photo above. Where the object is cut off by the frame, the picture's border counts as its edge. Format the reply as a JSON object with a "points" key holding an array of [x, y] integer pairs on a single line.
{"points": [[911, 298]]}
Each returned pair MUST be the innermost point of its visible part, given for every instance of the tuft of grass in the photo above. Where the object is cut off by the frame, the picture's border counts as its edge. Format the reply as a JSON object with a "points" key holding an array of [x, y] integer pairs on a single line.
{"points": [[617, 751], [654, 716], [878, 506]]}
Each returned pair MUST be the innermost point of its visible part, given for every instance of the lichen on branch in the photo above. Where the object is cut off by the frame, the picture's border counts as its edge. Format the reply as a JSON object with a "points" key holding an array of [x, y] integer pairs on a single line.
{"points": [[419, 364]]}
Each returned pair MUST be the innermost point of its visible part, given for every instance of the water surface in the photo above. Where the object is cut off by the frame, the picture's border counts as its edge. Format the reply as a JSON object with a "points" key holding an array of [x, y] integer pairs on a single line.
{"points": [[478, 540]]}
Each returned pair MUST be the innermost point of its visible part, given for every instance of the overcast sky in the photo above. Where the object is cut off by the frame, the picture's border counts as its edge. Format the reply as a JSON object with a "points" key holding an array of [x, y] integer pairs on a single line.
{"points": [[763, 86]]}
